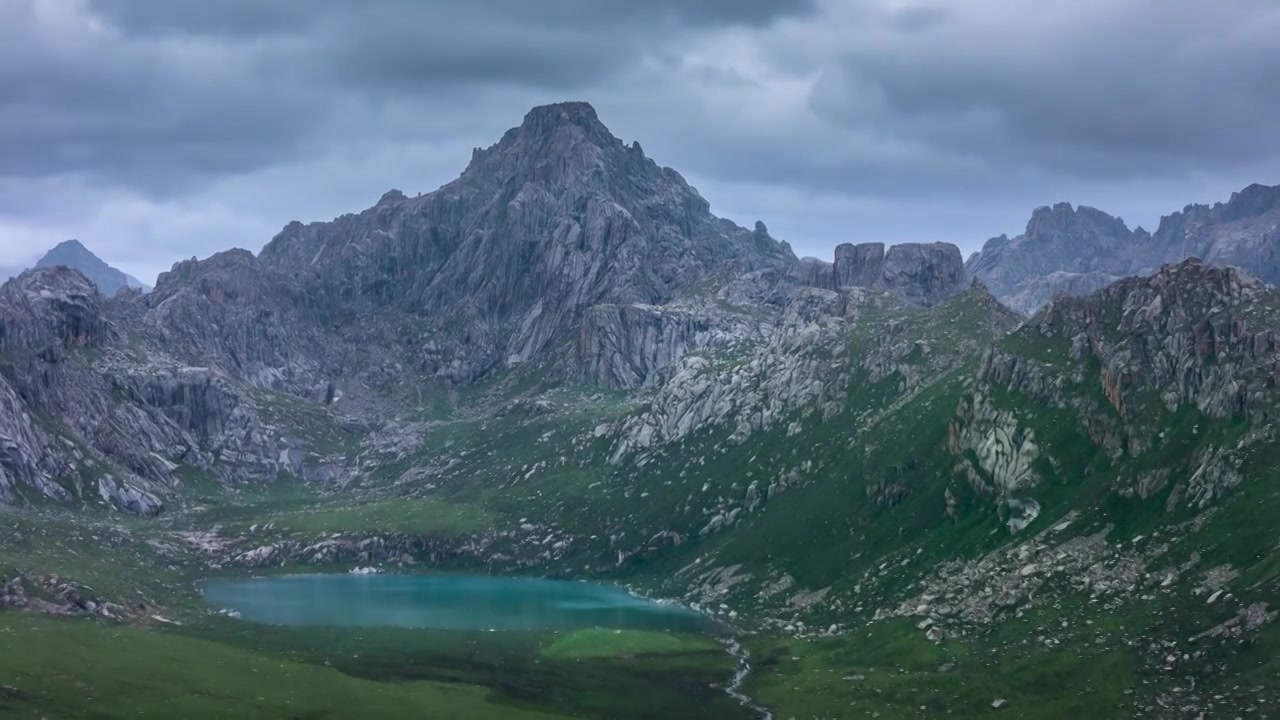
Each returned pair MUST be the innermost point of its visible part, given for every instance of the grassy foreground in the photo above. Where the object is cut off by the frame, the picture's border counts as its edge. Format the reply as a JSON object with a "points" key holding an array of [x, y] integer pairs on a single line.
{"points": [[82, 669], [58, 668]]}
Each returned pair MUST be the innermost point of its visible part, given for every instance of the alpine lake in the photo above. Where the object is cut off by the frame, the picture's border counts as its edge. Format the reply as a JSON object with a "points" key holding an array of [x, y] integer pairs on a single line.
{"points": [[486, 646]]}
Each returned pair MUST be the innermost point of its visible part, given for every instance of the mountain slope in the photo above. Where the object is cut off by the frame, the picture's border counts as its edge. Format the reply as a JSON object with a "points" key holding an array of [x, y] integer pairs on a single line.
{"points": [[72, 254]]}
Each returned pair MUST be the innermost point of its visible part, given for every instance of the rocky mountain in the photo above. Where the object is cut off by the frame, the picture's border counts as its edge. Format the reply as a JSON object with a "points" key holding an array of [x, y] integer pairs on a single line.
{"points": [[899, 492], [559, 247], [503, 263], [1075, 251], [72, 254]]}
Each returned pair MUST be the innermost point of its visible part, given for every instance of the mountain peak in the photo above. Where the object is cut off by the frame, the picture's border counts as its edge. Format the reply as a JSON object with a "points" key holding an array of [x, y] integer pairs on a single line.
{"points": [[71, 244], [1252, 201], [563, 124], [560, 129], [548, 117], [1063, 216], [73, 254], [556, 217]]}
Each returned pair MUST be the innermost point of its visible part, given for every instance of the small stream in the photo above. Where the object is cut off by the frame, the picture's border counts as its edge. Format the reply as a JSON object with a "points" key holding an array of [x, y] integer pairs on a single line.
{"points": [[734, 689]]}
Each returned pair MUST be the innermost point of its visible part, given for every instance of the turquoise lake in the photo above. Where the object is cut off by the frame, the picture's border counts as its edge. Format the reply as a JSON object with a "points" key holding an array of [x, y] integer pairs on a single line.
{"points": [[445, 602]]}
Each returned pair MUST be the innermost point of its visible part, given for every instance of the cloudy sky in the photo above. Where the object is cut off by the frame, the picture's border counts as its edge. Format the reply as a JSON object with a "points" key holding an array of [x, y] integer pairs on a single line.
{"points": [[154, 130]]}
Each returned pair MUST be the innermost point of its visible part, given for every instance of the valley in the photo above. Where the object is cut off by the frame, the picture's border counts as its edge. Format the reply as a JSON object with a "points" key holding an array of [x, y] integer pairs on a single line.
{"points": [[901, 497]]}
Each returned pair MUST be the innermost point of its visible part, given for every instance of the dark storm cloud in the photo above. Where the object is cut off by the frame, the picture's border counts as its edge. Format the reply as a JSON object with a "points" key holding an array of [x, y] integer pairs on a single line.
{"points": [[410, 46], [241, 17], [160, 94], [77, 97], [162, 128], [1092, 88]]}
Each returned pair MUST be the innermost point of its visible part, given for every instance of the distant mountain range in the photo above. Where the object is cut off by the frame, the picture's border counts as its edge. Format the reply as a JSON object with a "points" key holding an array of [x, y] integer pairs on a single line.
{"points": [[1075, 251], [73, 254]]}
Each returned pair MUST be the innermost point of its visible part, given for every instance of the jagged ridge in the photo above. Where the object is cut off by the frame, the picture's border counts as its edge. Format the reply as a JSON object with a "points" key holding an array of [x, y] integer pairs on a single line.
{"points": [[1078, 250]]}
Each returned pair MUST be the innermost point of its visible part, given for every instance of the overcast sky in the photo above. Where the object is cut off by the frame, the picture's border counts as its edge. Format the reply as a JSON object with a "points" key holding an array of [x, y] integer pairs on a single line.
{"points": [[154, 130]]}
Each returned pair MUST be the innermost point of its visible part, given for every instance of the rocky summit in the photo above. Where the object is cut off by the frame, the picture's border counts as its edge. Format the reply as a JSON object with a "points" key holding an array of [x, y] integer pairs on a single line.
{"points": [[1043, 481], [73, 254], [501, 265]]}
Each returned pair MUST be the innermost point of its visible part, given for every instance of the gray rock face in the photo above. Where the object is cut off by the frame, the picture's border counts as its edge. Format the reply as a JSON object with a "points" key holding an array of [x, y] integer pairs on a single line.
{"points": [[234, 314], [1075, 251], [1192, 332], [128, 498], [858, 265], [812, 272], [1038, 290], [924, 274], [620, 346], [1060, 245], [26, 457], [94, 406], [76, 256]]}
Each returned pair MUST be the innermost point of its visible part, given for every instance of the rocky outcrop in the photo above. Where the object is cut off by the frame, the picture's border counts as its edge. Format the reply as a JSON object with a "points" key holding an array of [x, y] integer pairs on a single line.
{"points": [[1127, 360], [796, 369], [127, 497], [924, 274], [95, 407], [812, 272], [859, 265], [1192, 334], [26, 456], [1004, 452]]}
